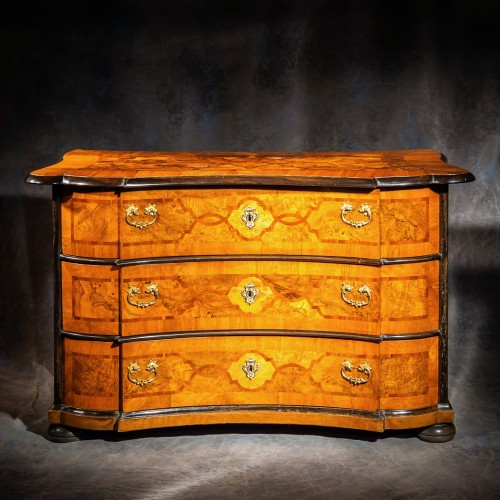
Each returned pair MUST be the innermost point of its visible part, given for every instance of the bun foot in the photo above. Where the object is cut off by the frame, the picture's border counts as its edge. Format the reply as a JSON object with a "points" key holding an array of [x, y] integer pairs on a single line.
{"points": [[437, 433], [60, 434]]}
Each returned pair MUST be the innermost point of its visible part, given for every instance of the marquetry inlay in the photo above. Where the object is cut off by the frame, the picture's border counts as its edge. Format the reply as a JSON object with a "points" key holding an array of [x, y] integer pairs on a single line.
{"points": [[293, 288]]}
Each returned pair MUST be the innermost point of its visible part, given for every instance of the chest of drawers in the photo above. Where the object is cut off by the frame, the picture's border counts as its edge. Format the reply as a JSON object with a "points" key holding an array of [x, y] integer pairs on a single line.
{"points": [[204, 288]]}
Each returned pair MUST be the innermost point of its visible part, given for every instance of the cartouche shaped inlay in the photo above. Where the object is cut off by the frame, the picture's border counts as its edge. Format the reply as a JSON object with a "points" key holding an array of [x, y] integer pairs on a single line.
{"points": [[251, 218]]}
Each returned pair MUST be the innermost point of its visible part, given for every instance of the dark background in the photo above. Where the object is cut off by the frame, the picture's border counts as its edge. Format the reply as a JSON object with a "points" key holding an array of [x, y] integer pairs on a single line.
{"points": [[257, 76]]}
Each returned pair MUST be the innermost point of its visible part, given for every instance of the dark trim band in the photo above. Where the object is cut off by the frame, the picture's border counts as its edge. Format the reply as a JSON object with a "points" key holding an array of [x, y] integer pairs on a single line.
{"points": [[246, 258], [185, 410], [245, 333], [257, 181]]}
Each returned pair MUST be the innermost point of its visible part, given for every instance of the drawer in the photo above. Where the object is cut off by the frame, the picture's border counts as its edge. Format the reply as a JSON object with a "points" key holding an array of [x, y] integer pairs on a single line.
{"points": [[216, 295], [91, 375], [89, 224], [279, 371], [142, 224], [247, 371], [252, 222], [90, 298]]}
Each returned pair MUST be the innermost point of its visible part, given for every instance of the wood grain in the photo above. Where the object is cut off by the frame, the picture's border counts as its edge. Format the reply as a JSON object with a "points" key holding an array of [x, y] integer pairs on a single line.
{"points": [[291, 371], [409, 222], [89, 224], [409, 374], [208, 222], [201, 372], [91, 375], [138, 167], [292, 295], [90, 301], [410, 298]]}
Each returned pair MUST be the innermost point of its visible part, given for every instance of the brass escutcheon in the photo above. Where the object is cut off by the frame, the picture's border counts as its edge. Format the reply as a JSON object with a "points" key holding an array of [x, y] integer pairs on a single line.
{"points": [[365, 290], [133, 211], [364, 209], [134, 290], [250, 368], [364, 367], [249, 216], [249, 293], [134, 368]]}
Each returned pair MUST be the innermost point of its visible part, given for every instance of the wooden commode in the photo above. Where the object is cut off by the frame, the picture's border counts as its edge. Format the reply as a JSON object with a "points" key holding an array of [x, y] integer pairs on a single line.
{"points": [[278, 288]]}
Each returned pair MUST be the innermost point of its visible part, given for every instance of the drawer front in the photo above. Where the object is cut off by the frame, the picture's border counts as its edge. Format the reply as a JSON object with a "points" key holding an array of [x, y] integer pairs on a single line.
{"points": [[91, 375], [142, 224], [90, 298], [89, 224], [280, 295], [248, 371], [253, 222], [409, 374], [216, 371]]}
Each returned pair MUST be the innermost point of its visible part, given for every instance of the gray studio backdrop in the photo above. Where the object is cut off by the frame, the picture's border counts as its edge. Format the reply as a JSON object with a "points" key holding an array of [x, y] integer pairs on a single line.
{"points": [[257, 76]]}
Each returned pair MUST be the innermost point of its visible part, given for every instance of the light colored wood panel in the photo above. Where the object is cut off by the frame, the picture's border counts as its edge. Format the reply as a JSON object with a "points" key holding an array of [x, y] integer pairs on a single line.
{"points": [[210, 371], [89, 224], [144, 165], [90, 422], [417, 421], [91, 374], [253, 417], [409, 374], [209, 222], [208, 296], [409, 222], [410, 301], [90, 302]]}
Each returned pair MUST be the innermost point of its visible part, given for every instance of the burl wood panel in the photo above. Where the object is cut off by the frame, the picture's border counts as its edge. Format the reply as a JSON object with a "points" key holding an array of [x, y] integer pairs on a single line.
{"points": [[410, 298], [291, 295], [409, 222], [90, 298], [91, 375], [89, 224], [409, 374], [209, 371], [80, 165], [209, 222]]}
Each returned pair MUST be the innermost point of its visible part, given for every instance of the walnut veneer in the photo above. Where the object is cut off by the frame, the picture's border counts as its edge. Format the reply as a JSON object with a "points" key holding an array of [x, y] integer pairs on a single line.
{"points": [[297, 288]]}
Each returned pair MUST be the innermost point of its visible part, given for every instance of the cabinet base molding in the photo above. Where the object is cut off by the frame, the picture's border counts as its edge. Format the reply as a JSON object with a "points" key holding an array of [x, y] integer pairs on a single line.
{"points": [[436, 419]]}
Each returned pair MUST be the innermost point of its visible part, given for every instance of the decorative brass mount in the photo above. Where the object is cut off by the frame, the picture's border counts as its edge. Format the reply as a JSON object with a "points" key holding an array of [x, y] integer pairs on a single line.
{"points": [[134, 368], [133, 210], [249, 216], [364, 209], [134, 290], [249, 293], [250, 368], [365, 290], [364, 367]]}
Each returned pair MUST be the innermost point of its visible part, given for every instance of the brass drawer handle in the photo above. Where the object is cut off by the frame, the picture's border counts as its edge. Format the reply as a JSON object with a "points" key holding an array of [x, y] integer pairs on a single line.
{"points": [[364, 367], [364, 209], [133, 211], [249, 293], [365, 290], [134, 290], [249, 216], [134, 368], [250, 368]]}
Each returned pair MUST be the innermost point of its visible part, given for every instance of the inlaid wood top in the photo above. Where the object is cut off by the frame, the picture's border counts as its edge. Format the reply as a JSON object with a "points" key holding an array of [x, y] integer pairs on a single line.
{"points": [[147, 169]]}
